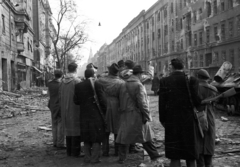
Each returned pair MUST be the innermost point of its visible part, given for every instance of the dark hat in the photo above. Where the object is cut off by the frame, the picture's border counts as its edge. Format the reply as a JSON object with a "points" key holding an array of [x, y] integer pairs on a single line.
{"points": [[177, 64], [91, 65], [58, 72], [121, 63], [137, 69], [113, 69], [72, 67], [130, 64], [203, 74], [89, 73]]}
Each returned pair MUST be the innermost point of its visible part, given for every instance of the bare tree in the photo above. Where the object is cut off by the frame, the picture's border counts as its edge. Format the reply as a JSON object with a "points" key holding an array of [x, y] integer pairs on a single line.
{"points": [[70, 32]]}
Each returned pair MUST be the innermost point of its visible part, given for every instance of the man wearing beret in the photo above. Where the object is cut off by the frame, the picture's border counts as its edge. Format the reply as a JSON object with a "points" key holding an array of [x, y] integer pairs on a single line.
{"points": [[70, 111], [111, 84], [53, 90], [207, 145]]}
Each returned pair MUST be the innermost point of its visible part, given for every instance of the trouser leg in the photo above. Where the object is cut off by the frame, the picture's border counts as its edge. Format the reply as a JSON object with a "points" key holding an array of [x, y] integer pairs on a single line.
{"points": [[75, 149], [123, 149], [151, 150], [69, 145], [175, 163], [96, 149], [208, 160], [54, 130], [191, 163], [106, 144], [87, 150], [116, 145], [200, 161], [60, 134]]}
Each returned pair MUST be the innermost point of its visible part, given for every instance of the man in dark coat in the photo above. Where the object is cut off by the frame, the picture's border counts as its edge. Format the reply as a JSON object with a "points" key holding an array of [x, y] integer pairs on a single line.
{"points": [[92, 121], [53, 89], [177, 115], [111, 84], [208, 142], [70, 112]]}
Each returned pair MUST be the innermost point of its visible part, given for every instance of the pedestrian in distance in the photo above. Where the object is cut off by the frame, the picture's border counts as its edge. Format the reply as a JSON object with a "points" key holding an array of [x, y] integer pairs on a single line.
{"points": [[155, 84], [111, 84], [177, 116], [135, 117], [54, 106], [70, 112], [207, 144], [92, 123]]}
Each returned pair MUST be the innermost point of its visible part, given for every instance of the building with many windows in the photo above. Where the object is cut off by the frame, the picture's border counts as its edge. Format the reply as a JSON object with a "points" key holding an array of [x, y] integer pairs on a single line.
{"points": [[203, 33]]}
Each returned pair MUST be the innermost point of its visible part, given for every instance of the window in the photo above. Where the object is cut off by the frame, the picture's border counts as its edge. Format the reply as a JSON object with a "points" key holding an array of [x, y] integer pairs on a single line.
{"points": [[200, 14], [172, 25], [209, 8], [207, 34], [171, 7], [230, 4], [222, 6], [166, 47], [201, 38], [147, 25], [159, 33], [153, 37], [158, 17], [181, 23], [166, 30], [195, 39], [201, 60], [181, 43], [159, 50], [223, 30], [176, 24], [194, 17], [215, 58], [159, 66], [165, 12], [216, 37], [148, 39], [173, 47], [224, 58], [180, 3], [3, 24], [238, 25], [184, 3], [231, 53], [231, 30], [215, 7], [152, 21]]}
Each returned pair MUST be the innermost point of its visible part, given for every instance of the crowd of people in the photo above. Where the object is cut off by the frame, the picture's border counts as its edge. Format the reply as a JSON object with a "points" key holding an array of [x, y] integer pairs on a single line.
{"points": [[90, 110]]}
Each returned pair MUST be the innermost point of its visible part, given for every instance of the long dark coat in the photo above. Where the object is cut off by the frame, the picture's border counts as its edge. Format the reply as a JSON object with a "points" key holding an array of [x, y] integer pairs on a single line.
{"points": [[53, 89], [176, 114], [91, 122], [132, 129], [155, 84], [69, 111], [112, 86], [208, 143]]}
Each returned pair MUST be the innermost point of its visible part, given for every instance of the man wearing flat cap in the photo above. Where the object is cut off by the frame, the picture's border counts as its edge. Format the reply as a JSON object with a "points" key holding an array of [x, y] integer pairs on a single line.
{"points": [[135, 117], [54, 106], [207, 144], [177, 116], [70, 111], [111, 84]]}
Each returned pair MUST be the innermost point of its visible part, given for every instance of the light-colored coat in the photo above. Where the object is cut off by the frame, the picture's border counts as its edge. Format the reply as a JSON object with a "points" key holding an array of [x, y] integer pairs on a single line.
{"points": [[70, 112], [112, 86], [133, 112]]}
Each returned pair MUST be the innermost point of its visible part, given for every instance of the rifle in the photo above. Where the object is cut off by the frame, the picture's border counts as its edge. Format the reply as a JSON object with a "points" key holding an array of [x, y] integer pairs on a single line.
{"points": [[97, 102]]}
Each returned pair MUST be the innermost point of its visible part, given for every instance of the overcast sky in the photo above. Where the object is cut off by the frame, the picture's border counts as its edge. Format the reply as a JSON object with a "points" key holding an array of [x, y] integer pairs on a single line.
{"points": [[113, 15]]}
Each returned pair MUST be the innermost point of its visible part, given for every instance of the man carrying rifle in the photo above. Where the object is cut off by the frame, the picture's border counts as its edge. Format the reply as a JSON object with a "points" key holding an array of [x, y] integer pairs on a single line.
{"points": [[89, 95]]}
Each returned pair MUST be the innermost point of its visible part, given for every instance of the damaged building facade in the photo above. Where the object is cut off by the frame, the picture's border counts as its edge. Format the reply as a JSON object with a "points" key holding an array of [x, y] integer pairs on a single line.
{"points": [[204, 33], [18, 42]]}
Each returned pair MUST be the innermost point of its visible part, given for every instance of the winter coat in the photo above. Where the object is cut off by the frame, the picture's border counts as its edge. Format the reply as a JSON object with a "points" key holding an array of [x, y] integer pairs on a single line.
{"points": [[208, 142], [53, 89], [91, 122], [177, 116], [112, 86], [70, 112], [155, 84], [134, 112]]}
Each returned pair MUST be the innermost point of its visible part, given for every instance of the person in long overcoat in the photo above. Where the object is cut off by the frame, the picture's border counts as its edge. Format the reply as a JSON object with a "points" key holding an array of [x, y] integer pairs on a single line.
{"points": [[70, 112], [54, 106], [155, 84], [111, 84], [92, 121], [135, 117], [177, 116], [207, 145]]}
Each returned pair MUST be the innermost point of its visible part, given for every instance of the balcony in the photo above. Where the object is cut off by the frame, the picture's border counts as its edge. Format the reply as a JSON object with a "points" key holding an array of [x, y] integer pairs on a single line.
{"points": [[20, 47]]}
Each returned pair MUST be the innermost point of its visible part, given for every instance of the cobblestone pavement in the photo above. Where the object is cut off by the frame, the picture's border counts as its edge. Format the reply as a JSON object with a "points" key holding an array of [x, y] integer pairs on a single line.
{"points": [[23, 144]]}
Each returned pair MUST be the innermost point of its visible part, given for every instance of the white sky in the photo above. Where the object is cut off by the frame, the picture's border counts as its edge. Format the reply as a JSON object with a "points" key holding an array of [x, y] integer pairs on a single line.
{"points": [[113, 15]]}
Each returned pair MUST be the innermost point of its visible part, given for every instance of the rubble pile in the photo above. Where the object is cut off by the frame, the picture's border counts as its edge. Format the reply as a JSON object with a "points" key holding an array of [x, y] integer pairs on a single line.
{"points": [[22, 103]]}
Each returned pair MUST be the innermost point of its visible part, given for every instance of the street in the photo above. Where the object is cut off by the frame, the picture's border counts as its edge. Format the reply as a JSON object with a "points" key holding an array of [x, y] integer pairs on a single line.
{"points": [[25, 140]]}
